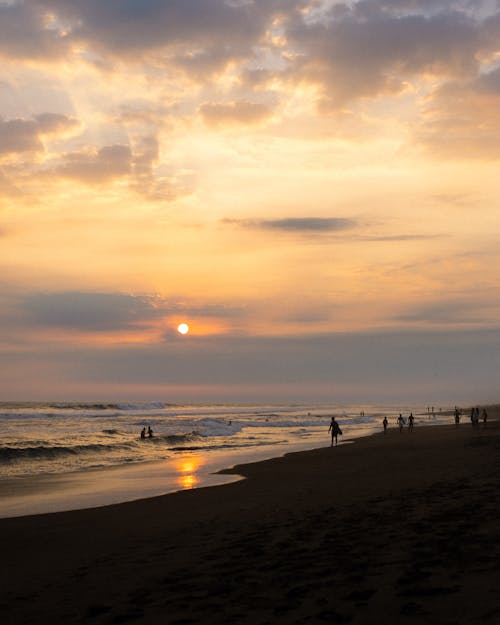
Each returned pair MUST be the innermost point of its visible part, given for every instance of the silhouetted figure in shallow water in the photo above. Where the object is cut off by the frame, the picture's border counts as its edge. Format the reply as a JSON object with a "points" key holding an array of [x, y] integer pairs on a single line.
{"points": [[485, 417], [385, 423], [411, 419], [335, 430], [457, 416], [401, 422], [143, 433], [150, 432]]}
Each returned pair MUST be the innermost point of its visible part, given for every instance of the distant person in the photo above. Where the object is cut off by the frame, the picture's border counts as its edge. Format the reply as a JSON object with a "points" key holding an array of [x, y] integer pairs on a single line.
{"points": [[457, 416], [485, 417], [411, 419], [143, 433], [385, 424], [150, 432], [401, 422], [335, 430]]}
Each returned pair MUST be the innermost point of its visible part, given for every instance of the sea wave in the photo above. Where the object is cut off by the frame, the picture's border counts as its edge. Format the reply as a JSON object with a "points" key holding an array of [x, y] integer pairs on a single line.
{"points": [[8, 454]]}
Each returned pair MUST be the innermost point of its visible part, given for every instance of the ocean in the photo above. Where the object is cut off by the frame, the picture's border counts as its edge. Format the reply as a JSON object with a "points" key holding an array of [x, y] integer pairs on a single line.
{"points": [[72, 443]]}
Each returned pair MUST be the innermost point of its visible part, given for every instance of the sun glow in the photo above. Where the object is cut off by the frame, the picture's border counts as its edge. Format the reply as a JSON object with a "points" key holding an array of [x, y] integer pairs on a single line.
{"points": [[183, 328]]}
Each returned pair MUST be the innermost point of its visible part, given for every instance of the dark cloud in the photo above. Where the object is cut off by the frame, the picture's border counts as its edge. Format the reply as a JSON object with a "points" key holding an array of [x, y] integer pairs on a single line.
{"points": [[27, 33], [390, 365], [296, 224], [349, 50], [197, 35], [18, 136], [361, 51], [88, 311], [25, 135], [97, 166], [54, 123], [241, 112]]}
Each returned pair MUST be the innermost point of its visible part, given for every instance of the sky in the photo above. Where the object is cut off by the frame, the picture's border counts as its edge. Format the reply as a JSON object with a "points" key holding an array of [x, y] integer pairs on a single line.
{"points": [[311, 185]]}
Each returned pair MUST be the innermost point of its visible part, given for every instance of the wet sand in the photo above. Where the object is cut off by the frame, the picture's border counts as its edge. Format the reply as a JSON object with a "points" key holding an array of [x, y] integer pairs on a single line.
{"points": [[401, 528]]}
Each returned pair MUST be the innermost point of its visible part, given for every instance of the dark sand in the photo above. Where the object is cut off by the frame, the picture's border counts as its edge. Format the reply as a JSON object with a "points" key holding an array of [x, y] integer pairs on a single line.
{"points": [[402, 528]]}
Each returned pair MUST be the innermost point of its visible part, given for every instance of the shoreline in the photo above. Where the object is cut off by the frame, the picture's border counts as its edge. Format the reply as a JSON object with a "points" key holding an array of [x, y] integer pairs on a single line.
{"points": [[395, 528], [92, 488], [101, 486]]}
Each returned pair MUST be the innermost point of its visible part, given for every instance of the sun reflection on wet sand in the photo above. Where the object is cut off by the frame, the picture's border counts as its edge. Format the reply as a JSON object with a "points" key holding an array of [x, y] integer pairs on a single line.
{"points": [[187, 468]]}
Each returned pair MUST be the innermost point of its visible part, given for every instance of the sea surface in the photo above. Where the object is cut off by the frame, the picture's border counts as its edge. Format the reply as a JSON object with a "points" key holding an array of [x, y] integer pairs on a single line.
{"points": [[61, 437], [48, 443]]}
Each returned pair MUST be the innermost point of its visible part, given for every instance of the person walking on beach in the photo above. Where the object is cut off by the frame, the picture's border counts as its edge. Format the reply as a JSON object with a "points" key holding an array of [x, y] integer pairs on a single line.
{"points": [[335, 430], [411, 419], [485, 417], [385, 423], [401, 422], [457, 416]]}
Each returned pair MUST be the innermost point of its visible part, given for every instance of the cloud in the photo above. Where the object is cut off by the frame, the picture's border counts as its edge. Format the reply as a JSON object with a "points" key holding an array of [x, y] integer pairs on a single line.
{"points": [[7, 188], [454, 311], [296, 224], [88, 311], [395, 366], [462, 119], [27, 32], [199, 36], [365, 51], [241, 112], [97, 165], [18, 136]]}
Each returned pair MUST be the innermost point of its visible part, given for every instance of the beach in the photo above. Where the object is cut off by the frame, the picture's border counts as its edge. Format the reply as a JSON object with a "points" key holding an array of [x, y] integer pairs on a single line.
{"points": [[392, 528]]}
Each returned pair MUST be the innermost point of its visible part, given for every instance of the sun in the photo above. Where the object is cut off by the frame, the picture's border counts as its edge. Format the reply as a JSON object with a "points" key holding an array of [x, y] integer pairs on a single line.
{"points": [[183, 328]]}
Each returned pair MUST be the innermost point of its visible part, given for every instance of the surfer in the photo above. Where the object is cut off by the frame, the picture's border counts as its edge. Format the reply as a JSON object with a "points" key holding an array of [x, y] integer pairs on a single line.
{"points": [[335, 430]]}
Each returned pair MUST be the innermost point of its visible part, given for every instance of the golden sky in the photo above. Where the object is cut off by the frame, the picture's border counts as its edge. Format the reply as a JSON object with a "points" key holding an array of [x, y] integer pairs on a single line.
{"points": [[302, 182]]}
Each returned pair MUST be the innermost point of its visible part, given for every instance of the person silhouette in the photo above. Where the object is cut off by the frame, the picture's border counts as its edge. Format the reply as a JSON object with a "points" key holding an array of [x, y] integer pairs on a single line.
{"points": [[150, 432], [410, 421], [143, 433], [335, 430], [401, 422], [385, 423]]}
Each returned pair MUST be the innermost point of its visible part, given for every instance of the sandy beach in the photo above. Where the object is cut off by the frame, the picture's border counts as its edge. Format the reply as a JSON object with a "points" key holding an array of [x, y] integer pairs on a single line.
{"points": [[392, 528]]}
